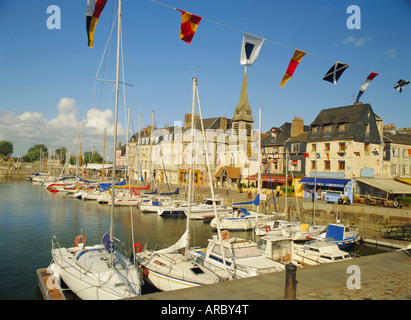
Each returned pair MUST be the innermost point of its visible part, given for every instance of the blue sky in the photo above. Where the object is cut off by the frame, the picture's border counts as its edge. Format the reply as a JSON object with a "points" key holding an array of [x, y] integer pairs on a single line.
{"points": [[47, 76]]}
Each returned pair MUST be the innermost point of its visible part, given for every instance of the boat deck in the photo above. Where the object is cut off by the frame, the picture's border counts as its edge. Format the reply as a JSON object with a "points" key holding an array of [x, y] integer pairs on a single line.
{"points": [[48, 294]]}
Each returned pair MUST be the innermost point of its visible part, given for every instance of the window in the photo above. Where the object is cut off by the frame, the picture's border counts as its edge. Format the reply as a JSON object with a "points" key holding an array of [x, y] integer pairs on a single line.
{"points": [[327, 128], [327, 147], [327, 165], [341, 165], [341, 147], [314, 130], [314, 147], [295, 147], [367, 128], [313, 164], [366, 147], [341, 127]]}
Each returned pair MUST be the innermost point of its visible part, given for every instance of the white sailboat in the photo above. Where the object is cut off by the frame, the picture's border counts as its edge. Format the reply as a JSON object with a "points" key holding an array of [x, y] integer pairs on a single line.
{"points": [[205, 209], [168, 269], [99, 271]]}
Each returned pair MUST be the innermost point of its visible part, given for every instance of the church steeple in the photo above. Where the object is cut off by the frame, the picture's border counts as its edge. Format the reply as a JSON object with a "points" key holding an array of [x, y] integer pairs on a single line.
{"points": [[243, 116]]}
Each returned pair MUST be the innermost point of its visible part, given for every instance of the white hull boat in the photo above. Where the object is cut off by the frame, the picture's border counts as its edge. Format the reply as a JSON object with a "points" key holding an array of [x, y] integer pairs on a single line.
{"points": [[85, 270], [318, 252], [240, 219], [240, 259], [205, 209]]}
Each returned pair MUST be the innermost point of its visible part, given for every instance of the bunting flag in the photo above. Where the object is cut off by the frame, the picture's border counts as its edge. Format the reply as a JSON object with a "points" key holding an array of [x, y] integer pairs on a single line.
{"points": [[94, 9], [335, 72], [189, 24], [366, 84], [295, 60], [250, 49], [400, 85]]}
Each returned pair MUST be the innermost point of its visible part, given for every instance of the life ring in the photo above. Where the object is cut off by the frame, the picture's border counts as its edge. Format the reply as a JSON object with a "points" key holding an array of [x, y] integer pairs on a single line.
{"points": [[395, 204], [267, 228], [225, 234], [83, 238], [138, 246]]}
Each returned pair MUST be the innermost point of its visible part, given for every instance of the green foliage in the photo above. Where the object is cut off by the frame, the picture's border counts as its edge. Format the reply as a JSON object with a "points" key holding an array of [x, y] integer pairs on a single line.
{"points": [[34, 152], [6, 148], [290, 190], [90, 157], [406, 201]]}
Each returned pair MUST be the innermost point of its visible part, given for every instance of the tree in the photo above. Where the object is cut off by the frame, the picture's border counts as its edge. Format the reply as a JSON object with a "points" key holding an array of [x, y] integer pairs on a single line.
{"points": [[6, 148], [33, 154], [62, 153], [92, 157]]}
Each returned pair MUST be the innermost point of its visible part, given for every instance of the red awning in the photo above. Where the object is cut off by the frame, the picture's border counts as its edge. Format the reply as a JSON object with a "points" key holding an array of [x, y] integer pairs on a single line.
{"points": [[266, 177]]}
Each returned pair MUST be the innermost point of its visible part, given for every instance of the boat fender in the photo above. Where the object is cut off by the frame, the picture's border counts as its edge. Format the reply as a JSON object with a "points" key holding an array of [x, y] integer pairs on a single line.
{"points": [[225, 234], [145, 270], [267, 228], [78, 238], [138, 246]]}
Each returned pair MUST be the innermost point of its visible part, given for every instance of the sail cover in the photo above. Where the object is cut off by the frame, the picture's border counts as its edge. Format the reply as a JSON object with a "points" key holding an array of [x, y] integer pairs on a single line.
{"points": [[256, 202], [177, 191], [181, 243]]}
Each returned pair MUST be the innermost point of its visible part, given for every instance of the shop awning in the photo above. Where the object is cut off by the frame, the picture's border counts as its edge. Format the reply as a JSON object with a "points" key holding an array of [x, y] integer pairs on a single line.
{"points": [[407, 181], [388, 185], [326, 182]]}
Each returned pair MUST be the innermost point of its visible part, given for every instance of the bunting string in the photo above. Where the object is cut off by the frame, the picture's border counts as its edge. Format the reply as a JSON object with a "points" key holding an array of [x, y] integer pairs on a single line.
{"points": [[275, 42]]}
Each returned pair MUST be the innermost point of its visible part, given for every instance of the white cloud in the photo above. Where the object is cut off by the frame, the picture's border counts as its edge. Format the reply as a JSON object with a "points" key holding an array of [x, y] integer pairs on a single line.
{"points": [[392, 53], [356, 41], [30, 128]]}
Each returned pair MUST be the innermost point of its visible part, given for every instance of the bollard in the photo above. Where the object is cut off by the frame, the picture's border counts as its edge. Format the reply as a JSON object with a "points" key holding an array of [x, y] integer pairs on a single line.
{"points": [[290, 292]]}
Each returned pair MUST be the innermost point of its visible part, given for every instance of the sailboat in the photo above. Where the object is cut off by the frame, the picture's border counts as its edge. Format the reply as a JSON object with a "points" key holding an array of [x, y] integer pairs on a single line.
{"points": [[98, 272], [168, 269]]}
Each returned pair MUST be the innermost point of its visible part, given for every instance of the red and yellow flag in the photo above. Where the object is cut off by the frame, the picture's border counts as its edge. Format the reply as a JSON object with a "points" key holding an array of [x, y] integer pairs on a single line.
{"points": [[189, 24], [94, 9], [295, 60]]}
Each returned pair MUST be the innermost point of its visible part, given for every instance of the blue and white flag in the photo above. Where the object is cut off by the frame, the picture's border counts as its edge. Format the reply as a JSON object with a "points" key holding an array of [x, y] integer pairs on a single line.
{"points": [[250, 49]]}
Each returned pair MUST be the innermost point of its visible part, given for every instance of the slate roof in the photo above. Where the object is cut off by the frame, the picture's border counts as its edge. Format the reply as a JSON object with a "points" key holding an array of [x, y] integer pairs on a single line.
{"points": [[355, 117]]}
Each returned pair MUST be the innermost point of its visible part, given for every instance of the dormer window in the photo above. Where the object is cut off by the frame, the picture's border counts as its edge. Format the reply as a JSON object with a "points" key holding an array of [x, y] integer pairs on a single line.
{"points": [[327, 128], [341, 127], [314, 129]]}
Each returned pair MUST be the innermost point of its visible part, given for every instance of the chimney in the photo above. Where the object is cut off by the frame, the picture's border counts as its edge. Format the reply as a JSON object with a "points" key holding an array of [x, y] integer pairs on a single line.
{"points": [[223, 123], [297, 126], [187, 120]]}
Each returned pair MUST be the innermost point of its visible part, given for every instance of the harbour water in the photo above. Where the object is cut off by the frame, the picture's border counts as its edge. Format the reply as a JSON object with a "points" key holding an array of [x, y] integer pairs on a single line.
{"points": [[30, 216]]}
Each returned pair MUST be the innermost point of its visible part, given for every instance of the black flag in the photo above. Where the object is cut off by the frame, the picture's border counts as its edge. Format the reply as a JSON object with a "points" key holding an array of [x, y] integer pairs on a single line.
{"points": [[335, 72]]}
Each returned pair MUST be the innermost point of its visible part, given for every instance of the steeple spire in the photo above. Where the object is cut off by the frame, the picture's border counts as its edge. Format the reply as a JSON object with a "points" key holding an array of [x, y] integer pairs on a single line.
{"points": [[243, 111]]}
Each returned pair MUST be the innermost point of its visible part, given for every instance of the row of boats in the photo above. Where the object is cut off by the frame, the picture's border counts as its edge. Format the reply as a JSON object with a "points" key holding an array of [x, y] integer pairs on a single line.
{"points": [[87, 271]]}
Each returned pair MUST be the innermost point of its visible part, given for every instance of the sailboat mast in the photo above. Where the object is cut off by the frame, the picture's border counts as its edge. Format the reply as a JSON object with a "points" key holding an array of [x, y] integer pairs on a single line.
{"points": [[259, 156], [113, 172], [191, 164]]}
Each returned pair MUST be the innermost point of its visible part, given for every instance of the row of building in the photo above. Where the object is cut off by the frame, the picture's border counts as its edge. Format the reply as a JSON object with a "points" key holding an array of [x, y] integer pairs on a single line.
{"points": [[343, 143]]}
